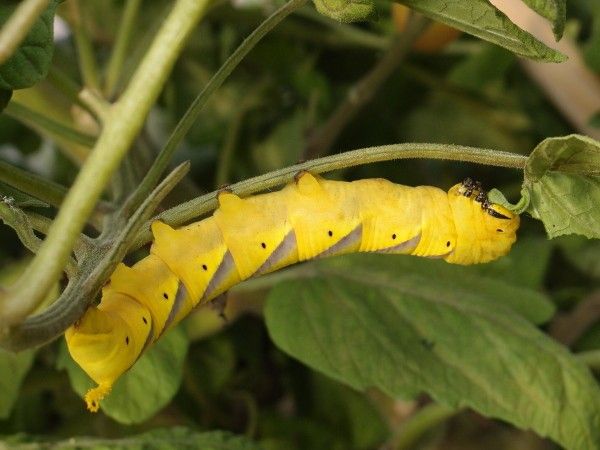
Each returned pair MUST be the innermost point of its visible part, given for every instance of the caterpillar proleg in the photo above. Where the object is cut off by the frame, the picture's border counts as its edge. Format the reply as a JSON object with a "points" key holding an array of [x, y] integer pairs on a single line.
{"points": [[309, 218]]}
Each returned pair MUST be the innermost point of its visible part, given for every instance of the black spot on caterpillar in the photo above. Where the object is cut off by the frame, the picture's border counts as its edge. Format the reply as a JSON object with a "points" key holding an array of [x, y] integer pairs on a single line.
{"points": [[311, 217]]}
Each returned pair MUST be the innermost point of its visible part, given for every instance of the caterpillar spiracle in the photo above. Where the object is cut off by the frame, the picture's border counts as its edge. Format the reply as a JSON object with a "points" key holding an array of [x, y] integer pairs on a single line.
{"points": [[310, 217]]}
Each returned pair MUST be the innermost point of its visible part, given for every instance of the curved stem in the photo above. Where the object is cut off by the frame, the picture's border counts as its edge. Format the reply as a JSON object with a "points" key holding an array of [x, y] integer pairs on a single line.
{"points": [[590, 358], [115, 64], [17, 26], [123, 123], [420, 423], [39, 121], [361, 93], [85, 51], [34, 185], [199, 206], [190, 116]]}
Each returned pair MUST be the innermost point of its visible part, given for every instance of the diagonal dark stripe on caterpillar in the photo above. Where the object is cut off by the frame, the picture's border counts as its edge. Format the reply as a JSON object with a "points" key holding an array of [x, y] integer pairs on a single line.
{"points": [[309, 218]]}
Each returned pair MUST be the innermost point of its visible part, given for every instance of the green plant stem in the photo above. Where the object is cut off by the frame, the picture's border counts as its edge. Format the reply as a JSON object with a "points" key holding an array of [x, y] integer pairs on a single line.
{"points": [[85, 51], [45, 190], [199, 206], [364, 90], [71, 90], [115, 64], [590, 358], [39, 121], [95, 267], [350, 33], [123, 123], [34, 185], [228, 150], [420, 423], [18, 25], [190, 116]]}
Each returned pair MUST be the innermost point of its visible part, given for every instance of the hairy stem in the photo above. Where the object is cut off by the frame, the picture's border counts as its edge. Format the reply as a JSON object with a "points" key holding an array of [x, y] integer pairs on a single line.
{"points": [[115, 64], [199, 206], [364, 90], [190, 116], [123, 123], [17, 26]]}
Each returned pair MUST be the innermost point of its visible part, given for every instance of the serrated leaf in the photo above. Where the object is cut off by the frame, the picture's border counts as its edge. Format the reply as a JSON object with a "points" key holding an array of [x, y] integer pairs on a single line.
{"points": [[347, 10], [177, 438], [562, 179], [362, 321], [31, 60], [480, 18], [553, 10], [147, 387]]}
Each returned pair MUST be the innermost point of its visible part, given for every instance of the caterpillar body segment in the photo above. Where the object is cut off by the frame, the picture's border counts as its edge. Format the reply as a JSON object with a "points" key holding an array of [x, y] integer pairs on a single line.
{"points": [[246, 237]]}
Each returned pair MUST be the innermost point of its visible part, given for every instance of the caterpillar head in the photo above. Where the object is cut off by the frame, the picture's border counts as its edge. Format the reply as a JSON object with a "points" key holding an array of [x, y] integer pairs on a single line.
{"points": [[485, 231]]}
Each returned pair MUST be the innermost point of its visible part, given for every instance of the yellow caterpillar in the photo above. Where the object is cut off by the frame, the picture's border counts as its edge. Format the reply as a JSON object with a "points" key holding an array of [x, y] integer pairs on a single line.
{"points": [[311, 217]]}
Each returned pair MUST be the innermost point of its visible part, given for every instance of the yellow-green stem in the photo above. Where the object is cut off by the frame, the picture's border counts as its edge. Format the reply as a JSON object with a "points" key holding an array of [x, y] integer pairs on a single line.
{"points": [[123, 122]]}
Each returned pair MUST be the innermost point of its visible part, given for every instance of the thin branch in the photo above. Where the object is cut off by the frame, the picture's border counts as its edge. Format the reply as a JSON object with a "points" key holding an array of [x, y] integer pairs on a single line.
{"points": [[18, 25], [428, 417], [590, 358], [48, 191], [123, 123], [85, 51], [364, 90], [199, 206], [19, 221], [115, 64], [39, 121], [352, 34], [95, 106], [228, 149], [95, 268], [190, 116]]}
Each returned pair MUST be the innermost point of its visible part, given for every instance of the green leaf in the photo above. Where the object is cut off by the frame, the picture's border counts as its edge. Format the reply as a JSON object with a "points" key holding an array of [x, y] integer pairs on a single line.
{"points": [[562, 179], [582, 253], [347, 10], [13, 368], [20, 199], [553, 10], [5, 96], [366, 322], [177, 438], [31, 61], [147, 387], [591, 49], [480, 18], [283, 146]]}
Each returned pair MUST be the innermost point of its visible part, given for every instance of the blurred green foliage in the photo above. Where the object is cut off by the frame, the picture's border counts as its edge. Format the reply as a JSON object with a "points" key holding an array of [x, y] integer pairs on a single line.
{"points": [[263, 118]]}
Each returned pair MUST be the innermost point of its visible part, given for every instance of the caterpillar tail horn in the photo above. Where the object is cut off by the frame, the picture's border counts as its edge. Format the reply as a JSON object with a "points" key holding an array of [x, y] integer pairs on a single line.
{"points": [[95, 395]]}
